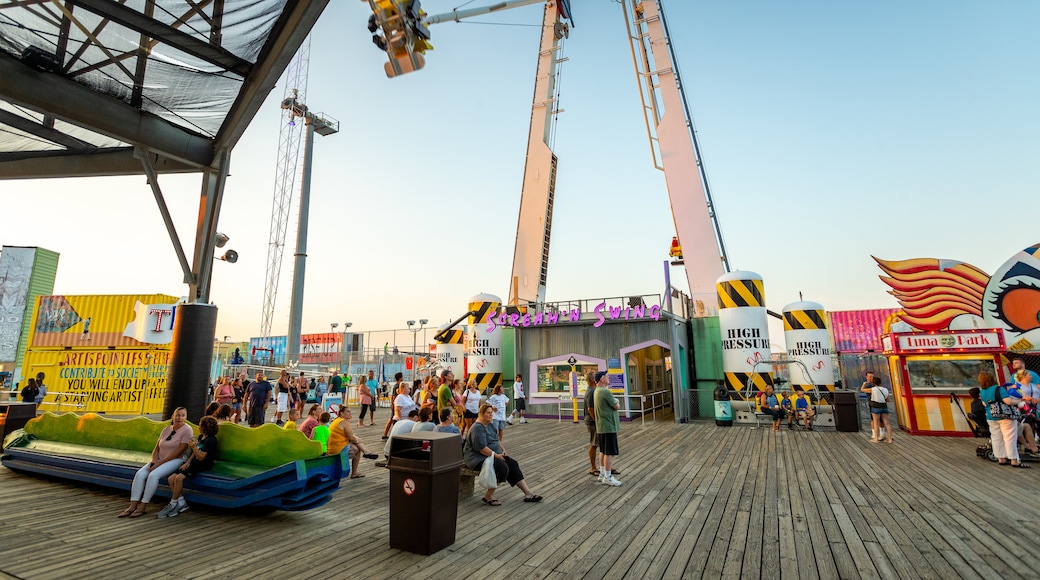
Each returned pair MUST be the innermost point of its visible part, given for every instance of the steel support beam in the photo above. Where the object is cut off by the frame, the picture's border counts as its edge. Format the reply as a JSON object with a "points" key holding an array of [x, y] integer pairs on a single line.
{"points": [[88, 163], [153, 182], [293, 26], [168, 35], [213, 181], [37, 129], [69, 101]]}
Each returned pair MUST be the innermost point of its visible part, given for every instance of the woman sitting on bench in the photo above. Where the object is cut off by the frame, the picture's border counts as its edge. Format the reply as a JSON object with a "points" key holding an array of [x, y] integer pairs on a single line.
{"points": [[203, 454], [167, 456], [771, 406]]}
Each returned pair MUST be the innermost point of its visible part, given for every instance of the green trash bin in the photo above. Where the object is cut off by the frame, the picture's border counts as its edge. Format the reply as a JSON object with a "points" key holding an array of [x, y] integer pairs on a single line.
{"points": [[424, 490]]}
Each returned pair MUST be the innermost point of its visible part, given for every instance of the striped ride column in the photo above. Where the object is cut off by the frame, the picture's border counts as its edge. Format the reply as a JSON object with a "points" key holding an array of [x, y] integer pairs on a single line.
{"points": [[485, 348], [451, 351], [745, 332], [809, 342]]}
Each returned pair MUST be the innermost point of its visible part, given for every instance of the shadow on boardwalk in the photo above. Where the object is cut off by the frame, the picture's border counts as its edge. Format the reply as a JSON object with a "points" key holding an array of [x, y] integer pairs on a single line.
{"points": [[697, 501]]}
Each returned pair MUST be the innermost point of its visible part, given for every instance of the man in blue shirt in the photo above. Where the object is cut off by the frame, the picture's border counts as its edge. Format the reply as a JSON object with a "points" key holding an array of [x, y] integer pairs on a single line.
{"points": [[1017, 364]]}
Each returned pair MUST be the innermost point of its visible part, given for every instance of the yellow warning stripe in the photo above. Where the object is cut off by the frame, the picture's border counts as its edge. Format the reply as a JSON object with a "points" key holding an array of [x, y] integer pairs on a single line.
{"points": [[740, 293], [482, 309], [487, 380], [738, 381], [805, 320], [451, 337]]}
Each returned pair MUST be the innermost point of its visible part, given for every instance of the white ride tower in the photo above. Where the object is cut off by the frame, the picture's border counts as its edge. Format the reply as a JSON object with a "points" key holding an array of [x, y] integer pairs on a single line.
{"points": [[534, 226], [673, 145]]}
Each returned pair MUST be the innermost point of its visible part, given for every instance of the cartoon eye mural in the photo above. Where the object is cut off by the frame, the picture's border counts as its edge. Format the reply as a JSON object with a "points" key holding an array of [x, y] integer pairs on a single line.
{"points": [[1012, 299], [942, 294]]}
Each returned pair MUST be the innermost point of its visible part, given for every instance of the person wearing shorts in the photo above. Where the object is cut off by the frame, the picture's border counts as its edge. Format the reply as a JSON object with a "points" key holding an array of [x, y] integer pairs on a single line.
{"points": [[520, 400], [878, 410], [606, 407], [284, 386], [258, 394], [590, 421], [803, 410]]}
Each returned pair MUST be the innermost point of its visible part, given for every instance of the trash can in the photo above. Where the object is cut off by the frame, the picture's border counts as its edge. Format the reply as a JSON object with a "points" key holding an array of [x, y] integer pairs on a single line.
{"points": [[846, 411], [723, 408], [424, 490], [14, 416]]}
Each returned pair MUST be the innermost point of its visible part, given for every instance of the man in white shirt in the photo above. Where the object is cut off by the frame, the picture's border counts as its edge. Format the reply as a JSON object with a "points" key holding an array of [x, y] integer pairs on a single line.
{"points": [[520, 398], [403, 426]]}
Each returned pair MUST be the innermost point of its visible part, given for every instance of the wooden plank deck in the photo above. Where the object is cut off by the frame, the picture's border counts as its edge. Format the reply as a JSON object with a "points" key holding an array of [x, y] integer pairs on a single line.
{"points": [[697, 501]]}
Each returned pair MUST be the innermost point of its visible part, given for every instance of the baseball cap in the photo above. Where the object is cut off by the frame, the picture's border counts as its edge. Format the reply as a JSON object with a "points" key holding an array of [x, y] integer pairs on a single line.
{"points": [[600, 375]]}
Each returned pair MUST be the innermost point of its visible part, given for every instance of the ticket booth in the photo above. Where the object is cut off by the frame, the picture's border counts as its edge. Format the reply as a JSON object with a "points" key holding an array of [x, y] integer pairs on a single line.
{"points": [[928, 367]]}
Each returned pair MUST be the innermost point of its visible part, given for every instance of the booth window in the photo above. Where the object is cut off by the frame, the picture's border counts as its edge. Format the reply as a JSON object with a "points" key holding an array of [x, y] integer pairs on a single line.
{"points": [[557, 378], [946, 376]]}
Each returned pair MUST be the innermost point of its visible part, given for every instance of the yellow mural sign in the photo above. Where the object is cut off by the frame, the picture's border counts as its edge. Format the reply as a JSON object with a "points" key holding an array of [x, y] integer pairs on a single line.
{"points": [[102, 381]]}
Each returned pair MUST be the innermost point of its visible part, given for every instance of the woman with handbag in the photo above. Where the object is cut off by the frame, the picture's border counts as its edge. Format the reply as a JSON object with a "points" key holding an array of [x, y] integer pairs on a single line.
{"points": [[482, 445], [1002, 417]]}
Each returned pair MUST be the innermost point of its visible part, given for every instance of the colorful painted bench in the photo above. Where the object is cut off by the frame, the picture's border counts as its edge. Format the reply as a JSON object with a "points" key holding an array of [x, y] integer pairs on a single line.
{"points": [[261, 467]]}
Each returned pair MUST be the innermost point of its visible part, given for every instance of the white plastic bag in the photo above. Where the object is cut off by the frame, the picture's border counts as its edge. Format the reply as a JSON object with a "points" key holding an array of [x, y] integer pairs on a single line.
{"points": [[487, 477]]}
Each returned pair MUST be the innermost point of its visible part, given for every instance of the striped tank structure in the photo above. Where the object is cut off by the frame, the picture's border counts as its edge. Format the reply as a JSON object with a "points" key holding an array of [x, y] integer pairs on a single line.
{"points": [[808, 341], [484, 350], [451, 351], [745, 332]]}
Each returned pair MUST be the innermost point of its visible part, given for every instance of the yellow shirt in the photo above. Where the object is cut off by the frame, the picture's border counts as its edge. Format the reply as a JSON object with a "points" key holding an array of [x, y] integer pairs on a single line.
{"points": [[289, 426], [337, 440]]}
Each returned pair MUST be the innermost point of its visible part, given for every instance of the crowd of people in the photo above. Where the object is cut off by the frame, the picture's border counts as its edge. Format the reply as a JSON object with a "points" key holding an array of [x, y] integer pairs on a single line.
{"points": [[1009, 414], [440, 403]]}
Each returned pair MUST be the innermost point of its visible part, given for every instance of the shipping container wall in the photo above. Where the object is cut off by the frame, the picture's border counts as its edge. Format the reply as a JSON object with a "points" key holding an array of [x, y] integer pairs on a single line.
{"points": [[16, 268], [102, 354]]}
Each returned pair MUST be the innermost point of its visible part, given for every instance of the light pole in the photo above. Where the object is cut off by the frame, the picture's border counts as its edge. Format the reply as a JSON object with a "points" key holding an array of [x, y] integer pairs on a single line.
{"points": [[350, 357], [415, 331], [332, 330]]}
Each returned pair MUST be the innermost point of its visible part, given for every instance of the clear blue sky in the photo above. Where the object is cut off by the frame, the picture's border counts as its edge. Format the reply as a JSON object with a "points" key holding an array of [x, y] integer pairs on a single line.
{"points": [[831, 131]]}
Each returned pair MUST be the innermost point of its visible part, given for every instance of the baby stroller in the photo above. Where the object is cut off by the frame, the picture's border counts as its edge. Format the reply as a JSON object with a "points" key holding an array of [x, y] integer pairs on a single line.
{"points": [[978, 429]]}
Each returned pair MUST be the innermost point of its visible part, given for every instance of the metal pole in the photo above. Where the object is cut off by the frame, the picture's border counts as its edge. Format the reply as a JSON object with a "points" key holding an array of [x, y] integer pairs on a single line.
{"points": [[456, 15], [292, 348]]}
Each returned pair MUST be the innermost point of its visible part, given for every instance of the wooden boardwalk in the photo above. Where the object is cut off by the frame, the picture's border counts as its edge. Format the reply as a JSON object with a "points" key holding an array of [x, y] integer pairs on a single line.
{"points": [[697, 501]]}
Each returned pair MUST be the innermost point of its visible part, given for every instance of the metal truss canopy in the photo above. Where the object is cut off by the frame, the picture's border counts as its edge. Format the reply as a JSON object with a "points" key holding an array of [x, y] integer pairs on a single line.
{"points": [[84, 82]]}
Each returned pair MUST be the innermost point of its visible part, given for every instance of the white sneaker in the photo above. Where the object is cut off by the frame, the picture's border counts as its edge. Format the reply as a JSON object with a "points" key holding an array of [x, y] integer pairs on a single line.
{"points": [[509, 420], [523, 419], [611, 481], [166, 511]]}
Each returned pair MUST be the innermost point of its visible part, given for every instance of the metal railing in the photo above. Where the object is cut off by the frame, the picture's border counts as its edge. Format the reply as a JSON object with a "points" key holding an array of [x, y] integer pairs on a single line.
{"points": [[63, 400], [665, 402]]}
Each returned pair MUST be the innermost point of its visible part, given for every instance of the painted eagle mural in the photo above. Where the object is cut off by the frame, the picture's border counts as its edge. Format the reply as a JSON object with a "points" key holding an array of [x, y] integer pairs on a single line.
{"points": [[950, 295]]}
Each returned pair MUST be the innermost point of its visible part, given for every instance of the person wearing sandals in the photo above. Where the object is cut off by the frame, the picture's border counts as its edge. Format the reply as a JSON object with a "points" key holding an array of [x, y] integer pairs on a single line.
{"points": [[481, 443], [1003, 431], [203, 454], [167, 456], [878, 401], [341, 437]]}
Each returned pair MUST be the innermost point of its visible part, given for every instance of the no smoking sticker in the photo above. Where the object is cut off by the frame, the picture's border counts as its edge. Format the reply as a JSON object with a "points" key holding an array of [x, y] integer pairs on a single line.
{"points": [[409, 486]]}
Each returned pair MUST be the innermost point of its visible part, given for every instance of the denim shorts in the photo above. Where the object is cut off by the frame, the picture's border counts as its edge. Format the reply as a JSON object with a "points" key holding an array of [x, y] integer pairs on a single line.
{"points": [[499, 424], [879, 410]]}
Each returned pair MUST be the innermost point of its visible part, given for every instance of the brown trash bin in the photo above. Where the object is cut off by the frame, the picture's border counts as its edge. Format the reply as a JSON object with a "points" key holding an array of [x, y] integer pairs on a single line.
{"points": [[424, 489], [846, 411]]}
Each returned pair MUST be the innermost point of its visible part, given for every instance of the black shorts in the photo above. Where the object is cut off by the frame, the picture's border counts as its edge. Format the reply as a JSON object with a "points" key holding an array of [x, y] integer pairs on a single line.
{"points": [[468, 415], [521, 404], [192, 470], [607, 443], [256, 415]]}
